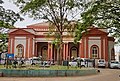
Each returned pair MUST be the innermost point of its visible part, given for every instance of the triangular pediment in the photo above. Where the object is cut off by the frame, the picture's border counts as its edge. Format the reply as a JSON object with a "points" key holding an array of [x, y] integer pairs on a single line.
{"points": [[96, 31], [20, 32]]}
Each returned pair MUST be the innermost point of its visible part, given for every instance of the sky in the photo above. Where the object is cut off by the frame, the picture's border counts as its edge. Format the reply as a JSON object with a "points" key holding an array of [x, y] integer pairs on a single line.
{"points": [[21, 24], [28, 21]]}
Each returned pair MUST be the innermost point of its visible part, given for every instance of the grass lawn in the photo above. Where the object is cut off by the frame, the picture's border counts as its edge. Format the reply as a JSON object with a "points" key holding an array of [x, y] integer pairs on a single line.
{"points": [[2, 67], [37, 67], [57, 67]]}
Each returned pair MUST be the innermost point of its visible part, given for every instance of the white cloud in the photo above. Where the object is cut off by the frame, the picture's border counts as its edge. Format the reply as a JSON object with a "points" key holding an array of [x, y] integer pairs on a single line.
{"points": [[21, 24]]}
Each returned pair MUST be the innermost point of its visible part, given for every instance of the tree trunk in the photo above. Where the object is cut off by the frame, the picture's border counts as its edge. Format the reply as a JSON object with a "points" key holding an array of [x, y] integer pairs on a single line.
{"points": [[60, 51], [58, 55]]}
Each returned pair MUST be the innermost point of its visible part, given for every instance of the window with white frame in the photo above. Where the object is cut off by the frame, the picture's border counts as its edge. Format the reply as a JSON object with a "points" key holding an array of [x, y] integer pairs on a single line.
{"points": [[94, 52], [20, 50]]}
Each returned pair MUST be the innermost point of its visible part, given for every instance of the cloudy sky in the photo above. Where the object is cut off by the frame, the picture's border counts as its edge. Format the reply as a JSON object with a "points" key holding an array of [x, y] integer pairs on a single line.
{"points": [[28, 21], [22, 24]]}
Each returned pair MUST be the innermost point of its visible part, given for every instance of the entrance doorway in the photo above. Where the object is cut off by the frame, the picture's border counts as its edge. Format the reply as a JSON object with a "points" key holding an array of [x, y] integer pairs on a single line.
{"points": [[74, 52], [44, 52]]}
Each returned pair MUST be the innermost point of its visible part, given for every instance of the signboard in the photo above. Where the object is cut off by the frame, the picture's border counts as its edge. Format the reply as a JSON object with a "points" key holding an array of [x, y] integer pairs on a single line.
{"points": [[10, 56]]}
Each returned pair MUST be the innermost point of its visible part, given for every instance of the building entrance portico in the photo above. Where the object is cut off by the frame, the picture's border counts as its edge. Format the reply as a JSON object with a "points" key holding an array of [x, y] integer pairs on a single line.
{"points": [[48, 51]]}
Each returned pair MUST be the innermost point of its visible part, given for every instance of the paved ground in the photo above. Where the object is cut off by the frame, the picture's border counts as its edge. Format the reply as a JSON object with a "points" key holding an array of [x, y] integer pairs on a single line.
{"points": [[104, 75]]}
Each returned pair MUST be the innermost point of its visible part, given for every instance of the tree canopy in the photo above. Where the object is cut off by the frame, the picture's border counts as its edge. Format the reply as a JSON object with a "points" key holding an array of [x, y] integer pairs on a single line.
{"points": [[105, 14], [61, 14], [7, 19]]}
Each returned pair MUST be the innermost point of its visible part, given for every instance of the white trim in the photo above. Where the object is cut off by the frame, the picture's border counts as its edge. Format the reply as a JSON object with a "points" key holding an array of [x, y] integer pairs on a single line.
{"points": [[42, 41], [25, 48], [28, 46], [33, 46], [20, 40], [20, 37], [94, 42], [51, 39], [104, 48], [94, 38]]}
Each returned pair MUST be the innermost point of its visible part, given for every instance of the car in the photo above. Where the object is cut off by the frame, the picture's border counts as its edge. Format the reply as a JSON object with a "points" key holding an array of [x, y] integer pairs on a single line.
{"points": [[33, 61], [114, 64], [83, 62], [101, 63], [73, 63]]}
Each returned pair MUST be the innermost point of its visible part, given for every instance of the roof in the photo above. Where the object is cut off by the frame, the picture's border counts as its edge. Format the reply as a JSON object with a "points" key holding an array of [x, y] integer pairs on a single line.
{"points": [[23, 30], [39, 25], [95, 31]]}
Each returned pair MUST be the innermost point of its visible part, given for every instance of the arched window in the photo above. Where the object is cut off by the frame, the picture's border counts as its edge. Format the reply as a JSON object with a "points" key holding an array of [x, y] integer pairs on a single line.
{"points": [[94, 51], [74, 52], [20, 50]]}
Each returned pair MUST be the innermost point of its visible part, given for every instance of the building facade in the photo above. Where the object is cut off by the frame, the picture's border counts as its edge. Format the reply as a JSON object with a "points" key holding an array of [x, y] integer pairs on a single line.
{"points": [[33, 41], [117, 56]]}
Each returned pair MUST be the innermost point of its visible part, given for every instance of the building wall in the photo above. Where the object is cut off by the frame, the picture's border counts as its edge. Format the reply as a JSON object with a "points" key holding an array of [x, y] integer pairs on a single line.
{"points": [[22, 41], [96, 42], [33, 43], [103, 47], [111, 46], [117, 56]]}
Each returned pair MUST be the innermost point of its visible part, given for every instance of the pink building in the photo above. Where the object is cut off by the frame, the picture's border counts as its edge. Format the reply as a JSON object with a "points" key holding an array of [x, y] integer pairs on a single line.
{"points": [[33, 41]]}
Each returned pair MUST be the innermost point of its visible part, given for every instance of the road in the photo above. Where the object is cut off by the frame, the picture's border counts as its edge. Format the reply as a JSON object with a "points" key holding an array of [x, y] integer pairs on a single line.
{"points": [[104, 75]]}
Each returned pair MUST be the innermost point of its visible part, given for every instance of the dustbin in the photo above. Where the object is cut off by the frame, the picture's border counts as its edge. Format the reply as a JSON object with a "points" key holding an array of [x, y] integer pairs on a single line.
{"points": [[65, 63]]}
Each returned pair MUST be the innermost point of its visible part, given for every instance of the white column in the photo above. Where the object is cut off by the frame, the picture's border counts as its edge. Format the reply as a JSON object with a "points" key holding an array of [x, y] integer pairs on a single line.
{"points": [[33, 47], [28, 46]]}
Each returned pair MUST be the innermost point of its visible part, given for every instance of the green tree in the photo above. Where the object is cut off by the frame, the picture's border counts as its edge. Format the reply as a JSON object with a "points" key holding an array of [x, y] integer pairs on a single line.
{"points": [[3, 42], [104, 14], [59, 13], [7, 20]]}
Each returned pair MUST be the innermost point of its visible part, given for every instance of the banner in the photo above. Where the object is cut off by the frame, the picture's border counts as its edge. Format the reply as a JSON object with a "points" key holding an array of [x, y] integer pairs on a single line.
{"points": [[10, 56]]}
